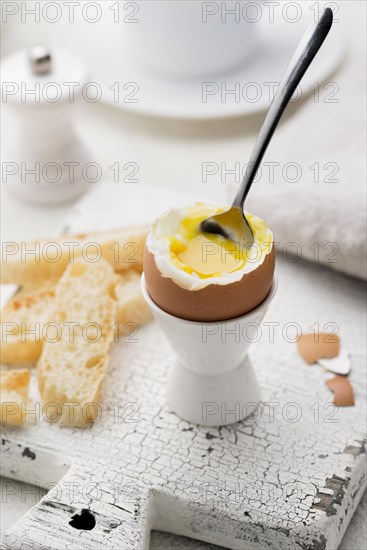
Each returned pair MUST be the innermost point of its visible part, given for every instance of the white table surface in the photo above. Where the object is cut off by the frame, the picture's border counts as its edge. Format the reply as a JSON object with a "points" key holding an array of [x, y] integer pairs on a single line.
{"points": [[25, 496], [168, 154]]}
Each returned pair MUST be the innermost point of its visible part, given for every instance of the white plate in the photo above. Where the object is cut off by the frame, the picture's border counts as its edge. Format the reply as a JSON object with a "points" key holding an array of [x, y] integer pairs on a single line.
{"points": [[163, 96], [104, 48]]}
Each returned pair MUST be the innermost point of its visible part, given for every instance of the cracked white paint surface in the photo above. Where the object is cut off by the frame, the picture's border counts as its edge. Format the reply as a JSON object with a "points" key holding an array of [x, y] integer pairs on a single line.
{"points": [[261, 483]]}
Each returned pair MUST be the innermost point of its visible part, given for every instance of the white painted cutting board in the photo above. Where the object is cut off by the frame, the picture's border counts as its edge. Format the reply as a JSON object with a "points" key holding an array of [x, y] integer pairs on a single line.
{"points": [[266, 482]]}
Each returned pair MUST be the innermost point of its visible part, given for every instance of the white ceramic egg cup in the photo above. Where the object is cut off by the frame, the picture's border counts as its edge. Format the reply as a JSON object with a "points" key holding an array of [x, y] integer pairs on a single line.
{"points": [[212, 382]]}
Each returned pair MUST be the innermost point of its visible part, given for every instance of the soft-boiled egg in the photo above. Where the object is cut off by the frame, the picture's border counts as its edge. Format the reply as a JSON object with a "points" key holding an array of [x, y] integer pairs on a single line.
{"points": [[205, 277]]}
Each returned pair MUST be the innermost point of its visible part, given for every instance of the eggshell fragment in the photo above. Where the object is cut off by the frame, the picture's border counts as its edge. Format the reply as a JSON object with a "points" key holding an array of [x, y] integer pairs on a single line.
{"points": [[337, 365], [343, 391], [213, 302], [314, 346]]}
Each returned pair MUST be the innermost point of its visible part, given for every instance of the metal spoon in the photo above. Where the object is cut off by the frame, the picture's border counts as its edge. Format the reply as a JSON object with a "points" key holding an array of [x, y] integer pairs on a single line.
{"points": [[233, 224]]}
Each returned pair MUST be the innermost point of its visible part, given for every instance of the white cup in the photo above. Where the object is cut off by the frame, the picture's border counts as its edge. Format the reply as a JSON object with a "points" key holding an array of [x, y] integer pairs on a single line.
{"points": [[212, 382], [189, 38]]}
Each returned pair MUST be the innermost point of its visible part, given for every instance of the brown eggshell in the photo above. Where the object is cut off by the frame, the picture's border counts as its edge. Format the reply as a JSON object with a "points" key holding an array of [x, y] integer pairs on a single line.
{"points": [[343, 391], [214, 302], [313, 346]]}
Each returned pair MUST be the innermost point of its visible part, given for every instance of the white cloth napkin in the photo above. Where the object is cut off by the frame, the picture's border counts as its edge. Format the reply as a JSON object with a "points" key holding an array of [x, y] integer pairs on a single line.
{"points": [[330, 212]]}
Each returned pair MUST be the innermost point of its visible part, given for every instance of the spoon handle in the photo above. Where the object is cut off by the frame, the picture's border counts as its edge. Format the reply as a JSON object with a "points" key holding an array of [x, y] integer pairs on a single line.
{"points": [[301, 60]]}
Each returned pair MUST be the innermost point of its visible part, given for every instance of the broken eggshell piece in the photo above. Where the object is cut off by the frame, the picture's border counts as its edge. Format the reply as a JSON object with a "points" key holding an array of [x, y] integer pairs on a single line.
{"points": [[338, 365], [315, 346], [343, 391]]}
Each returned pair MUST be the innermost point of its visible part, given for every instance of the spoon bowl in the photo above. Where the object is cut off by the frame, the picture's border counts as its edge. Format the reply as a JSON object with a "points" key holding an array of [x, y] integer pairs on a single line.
{"points": [[231, 224]]}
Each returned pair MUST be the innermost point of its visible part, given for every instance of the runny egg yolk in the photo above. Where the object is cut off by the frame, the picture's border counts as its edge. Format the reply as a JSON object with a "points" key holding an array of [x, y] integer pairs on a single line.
{"points": [[210, 255]]}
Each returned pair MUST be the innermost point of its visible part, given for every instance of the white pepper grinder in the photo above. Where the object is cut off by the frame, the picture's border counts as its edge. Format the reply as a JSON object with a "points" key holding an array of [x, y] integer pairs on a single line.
{"points": [[44, 161]]}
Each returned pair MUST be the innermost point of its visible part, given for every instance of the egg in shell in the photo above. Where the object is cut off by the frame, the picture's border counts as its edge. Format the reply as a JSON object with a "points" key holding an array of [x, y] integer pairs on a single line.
{"points": [[204, 277]]}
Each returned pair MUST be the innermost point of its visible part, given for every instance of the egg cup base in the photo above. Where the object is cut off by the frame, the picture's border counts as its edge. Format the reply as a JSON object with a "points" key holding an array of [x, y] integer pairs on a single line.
{"points": [[213, 400], [211, 381]]}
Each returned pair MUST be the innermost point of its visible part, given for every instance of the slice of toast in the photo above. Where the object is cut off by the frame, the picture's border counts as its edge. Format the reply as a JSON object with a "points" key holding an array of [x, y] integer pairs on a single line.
{"points": [[132, 310], [27, 315], [72, 367], [24, 325], [13, 395], [32, 262]]}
